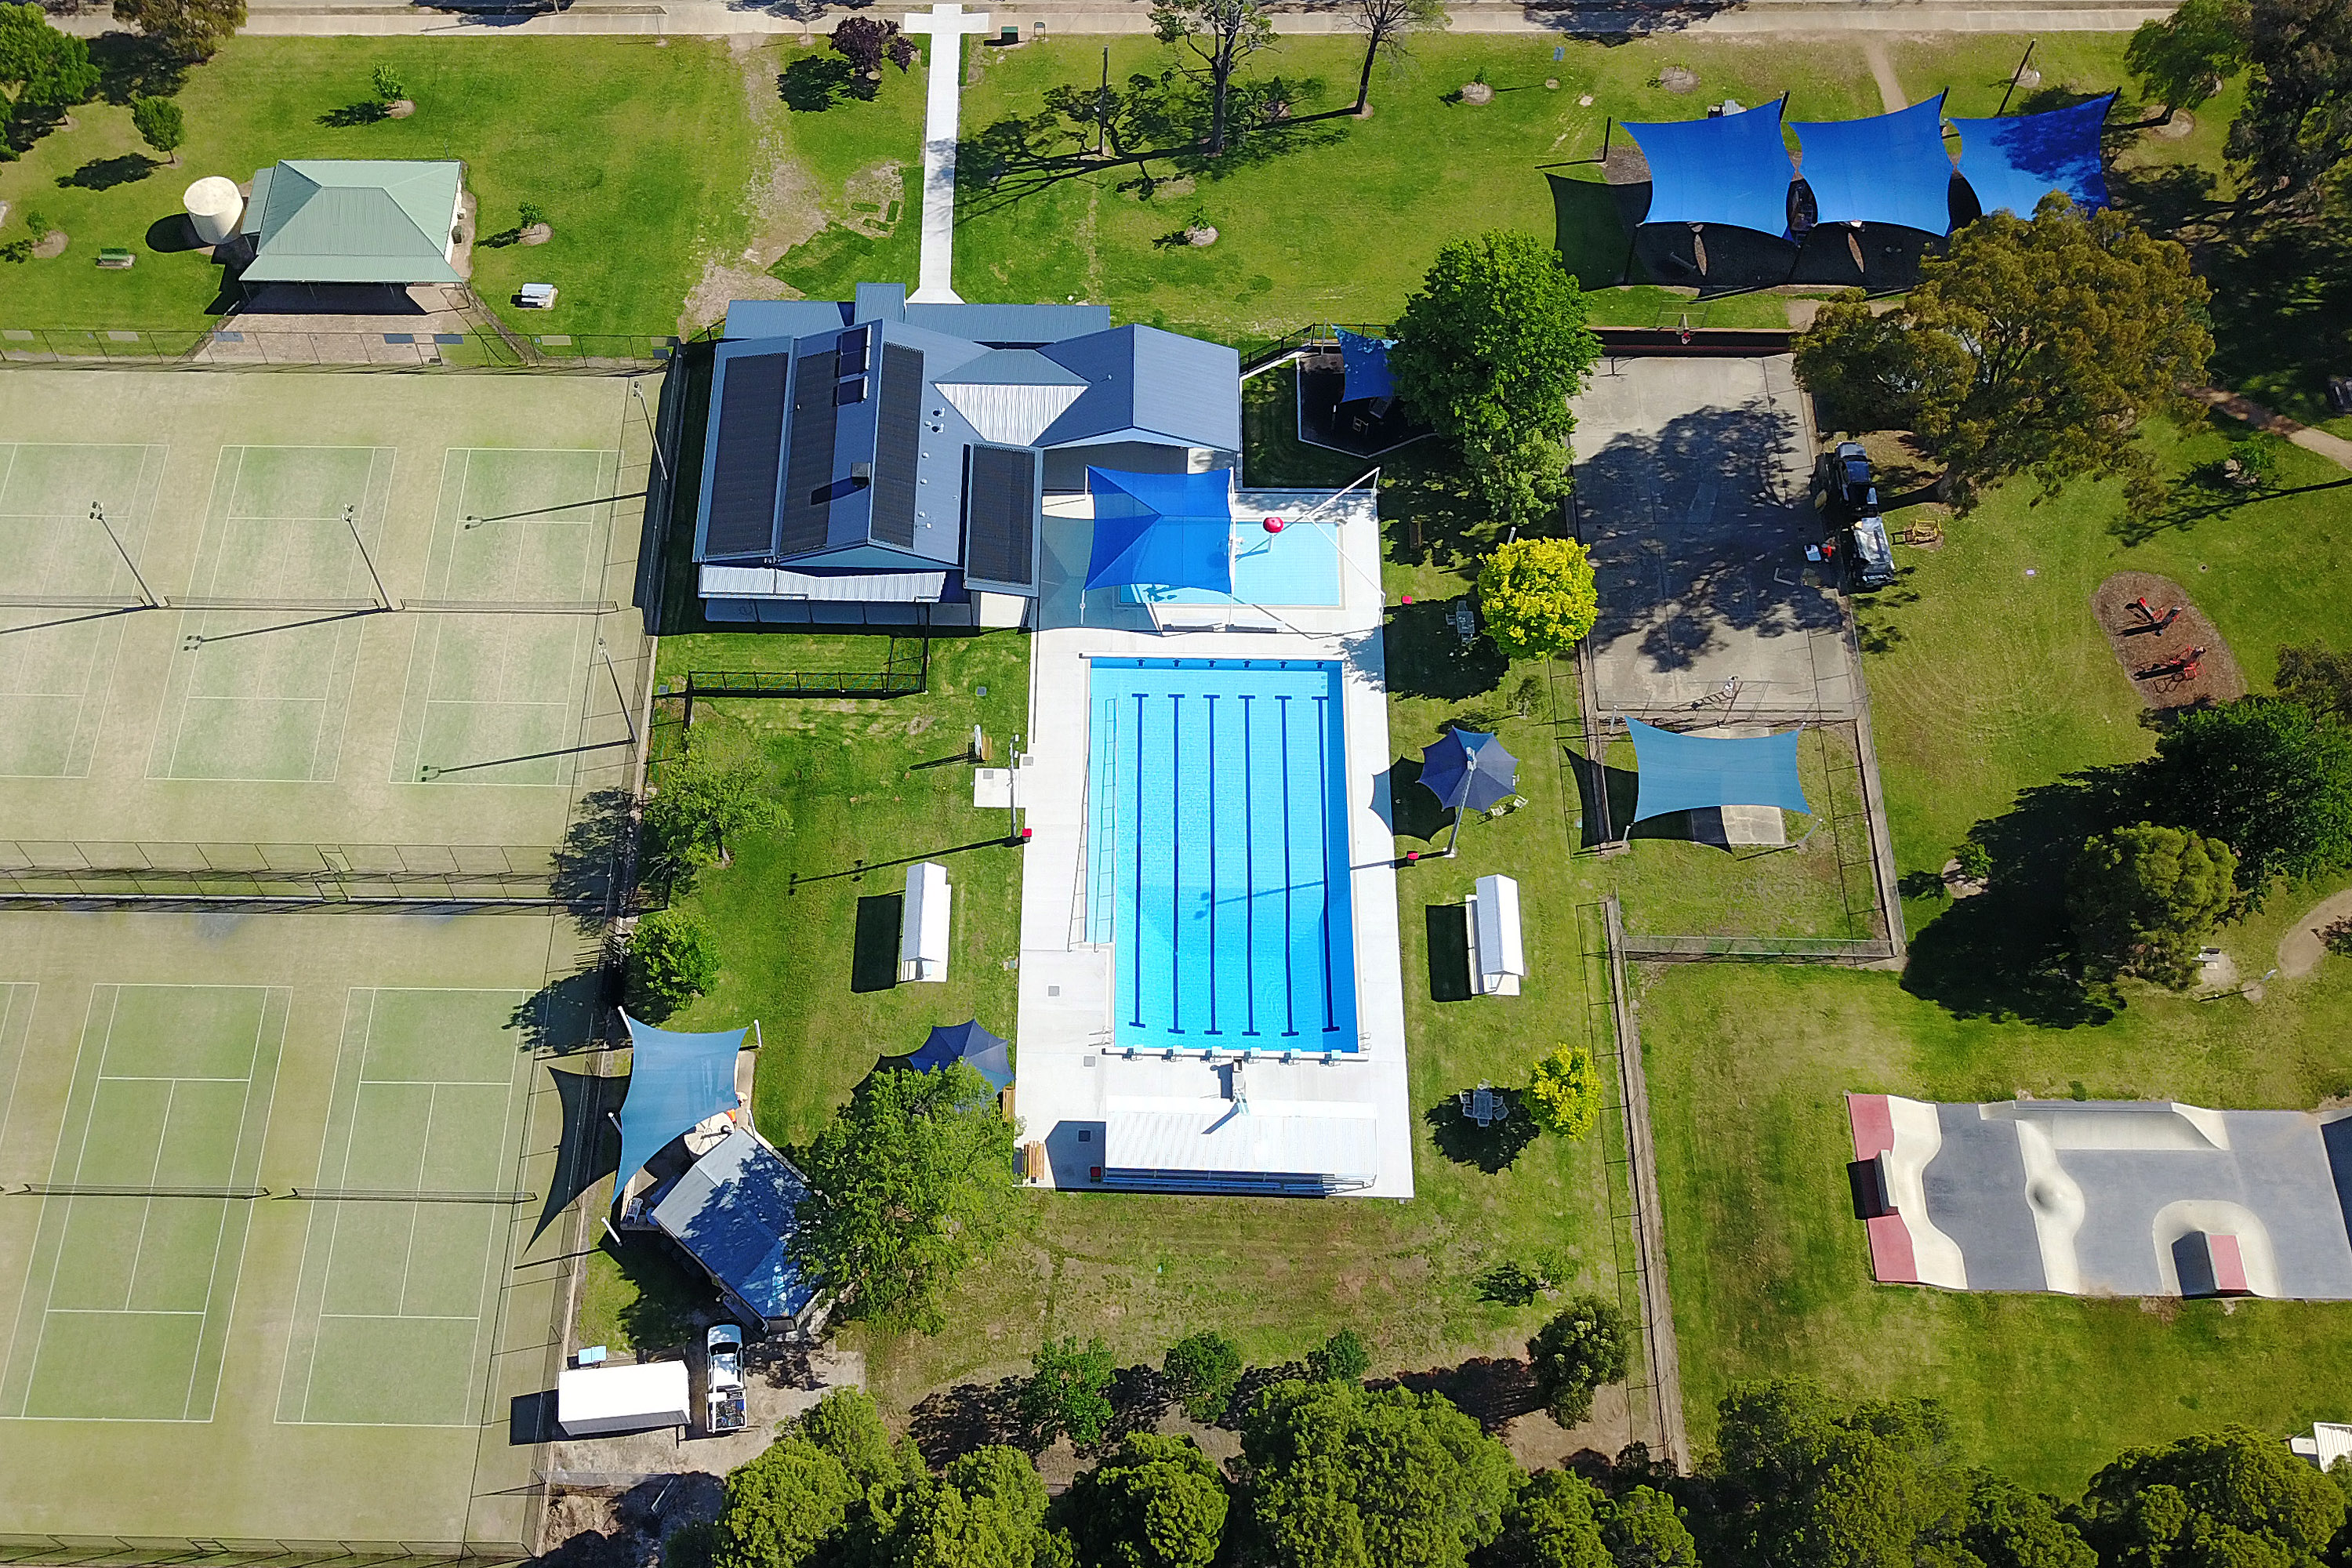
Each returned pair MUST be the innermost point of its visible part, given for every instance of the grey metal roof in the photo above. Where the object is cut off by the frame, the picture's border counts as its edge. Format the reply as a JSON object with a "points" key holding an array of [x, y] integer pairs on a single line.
{"points": [[1012, 367], [783, 318], [1147, 385], [1011, 326], [353, 221], [733, 1210]]}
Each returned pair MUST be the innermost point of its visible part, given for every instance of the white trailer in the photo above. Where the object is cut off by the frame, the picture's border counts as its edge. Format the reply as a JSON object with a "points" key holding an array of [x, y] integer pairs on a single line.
{"points": [[592, 1401]]}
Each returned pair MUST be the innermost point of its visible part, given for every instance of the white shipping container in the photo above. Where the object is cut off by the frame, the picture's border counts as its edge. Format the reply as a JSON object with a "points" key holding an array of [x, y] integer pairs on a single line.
{"points": [[592, 1400]]}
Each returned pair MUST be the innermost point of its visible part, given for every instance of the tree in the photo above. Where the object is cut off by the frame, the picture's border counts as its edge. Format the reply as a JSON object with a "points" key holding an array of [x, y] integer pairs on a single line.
{"points": [[159, 124], [782, 1506], [2009, 1527], [1387, 24], [987, 1511], [388, 85], [702, 802], [847, 1423], [1202, 1369], [1576, 1353], [909, 1182], [1342, 1358], [43, 73], [1552, 1522], [1643, 1528], [1221, 33], [2182, 58], [2031, 348], [1155, 1502], [2232, 1497], [1064, 1395], [1346, 1478], [863, 41], [1538, 597], [673, 959], [2143, 899], [1564, 1092], [1804, 1479], [1489, 351], [2296, 125], [901, 52], [531, 215], [2264, 777], [189, 30], [2319, 677]]}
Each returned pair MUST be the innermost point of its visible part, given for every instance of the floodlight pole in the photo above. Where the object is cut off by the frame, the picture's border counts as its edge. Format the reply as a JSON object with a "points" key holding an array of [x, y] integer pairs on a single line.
{"points": [[638, 393], [351, 521], [97, 516]]}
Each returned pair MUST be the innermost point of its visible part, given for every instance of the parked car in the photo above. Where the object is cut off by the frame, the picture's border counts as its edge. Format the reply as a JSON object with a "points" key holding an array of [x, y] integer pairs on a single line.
{"points": [[1868, 557], [723, 1348], [1842, 476]]}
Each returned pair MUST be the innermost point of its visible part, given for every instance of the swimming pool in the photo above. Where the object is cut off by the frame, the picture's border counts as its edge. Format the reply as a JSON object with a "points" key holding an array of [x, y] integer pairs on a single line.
{"points": [[1298, 568], [1217, 854]]}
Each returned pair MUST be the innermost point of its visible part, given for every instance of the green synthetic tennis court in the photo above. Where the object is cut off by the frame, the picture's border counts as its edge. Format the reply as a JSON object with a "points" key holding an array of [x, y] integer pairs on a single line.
{"points": [[56, 664], [396, 1305], [127, 1303]]}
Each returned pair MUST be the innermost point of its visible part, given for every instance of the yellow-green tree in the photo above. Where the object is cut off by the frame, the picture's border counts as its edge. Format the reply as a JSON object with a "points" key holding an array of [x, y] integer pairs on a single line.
{"points": [[1538, 597], [1564, 1092]]}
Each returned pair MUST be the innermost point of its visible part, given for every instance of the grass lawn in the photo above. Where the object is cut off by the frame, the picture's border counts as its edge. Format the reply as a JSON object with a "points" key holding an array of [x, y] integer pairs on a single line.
{"points": [[640, 158], [635, 1299]]}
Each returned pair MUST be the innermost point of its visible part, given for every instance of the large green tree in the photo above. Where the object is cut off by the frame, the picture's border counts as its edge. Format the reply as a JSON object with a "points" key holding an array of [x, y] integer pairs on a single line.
{"points": [[43, 73], [782, 1506], [1343, 1478], [1155, 1502], [1644, 1528], [987, 1509], [189, 30], [847, 1423], [1538, 597], [2180, 60], [2143, 899], [1202, 1371], [1583, 1347], [2032, 348], [1489, 351], [2317, 677], [1807, 1480], [2267, 777], [1221, 34], [2296, 126], [1553, 1522], [909, 1182], [702, 806], [2010, 1527], [1066, 1395], [673, 959], [2226, 1499]]}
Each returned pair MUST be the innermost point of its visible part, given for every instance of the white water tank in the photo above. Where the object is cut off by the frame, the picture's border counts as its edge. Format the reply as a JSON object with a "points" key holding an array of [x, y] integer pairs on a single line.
{"points": [[213, 208]]}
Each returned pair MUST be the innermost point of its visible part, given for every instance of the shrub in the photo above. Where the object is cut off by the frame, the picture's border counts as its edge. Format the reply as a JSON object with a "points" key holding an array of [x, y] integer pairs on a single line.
{"points": [[673, 959], [1575, 1353], [1202, 1369], [1342, 1358], [159, 124], [1538, 597], [1564, 1092], [388, 88], [531, 215]]}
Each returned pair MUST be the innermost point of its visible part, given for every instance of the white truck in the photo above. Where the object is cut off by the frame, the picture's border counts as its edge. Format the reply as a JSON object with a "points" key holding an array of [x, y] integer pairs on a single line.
{"points": [[724, 1363], [594, 1401]]}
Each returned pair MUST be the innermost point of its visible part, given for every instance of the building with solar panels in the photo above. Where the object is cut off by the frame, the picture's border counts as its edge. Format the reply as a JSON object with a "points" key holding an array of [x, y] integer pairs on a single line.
{"points": [[884, 463]]}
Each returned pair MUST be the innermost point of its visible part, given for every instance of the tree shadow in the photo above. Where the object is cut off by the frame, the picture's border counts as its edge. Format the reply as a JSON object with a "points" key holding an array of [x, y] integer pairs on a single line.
{"points": [[967, 1416], [573, 1015], [1491, 1149], [1427, 657], [589, 863], [351, 114], [1254, 1382], [814, 83], [1493, 1392], [2008, 953], [1139, 1398], [106, 173], [131, 65], [2200, 497]]}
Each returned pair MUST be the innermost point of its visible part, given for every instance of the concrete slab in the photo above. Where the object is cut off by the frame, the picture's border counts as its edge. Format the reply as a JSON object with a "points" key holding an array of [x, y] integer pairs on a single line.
{"points": [[942, 107], [1692, 478]]}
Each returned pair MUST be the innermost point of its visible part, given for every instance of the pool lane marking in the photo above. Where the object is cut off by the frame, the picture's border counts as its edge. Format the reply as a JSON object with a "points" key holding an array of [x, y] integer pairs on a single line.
{"points": [[1289, 879], [1249, 869], [1136, 968], [1323, 805], [1175, 863], [1212, 700]]}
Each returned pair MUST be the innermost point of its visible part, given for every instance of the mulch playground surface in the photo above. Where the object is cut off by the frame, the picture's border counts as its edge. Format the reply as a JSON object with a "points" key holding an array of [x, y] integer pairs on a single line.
{"points": [[2176, 660]]}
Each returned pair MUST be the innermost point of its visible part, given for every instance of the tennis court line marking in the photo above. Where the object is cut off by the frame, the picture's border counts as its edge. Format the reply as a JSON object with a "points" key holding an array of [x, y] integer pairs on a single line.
{"points": [[245, 1236], [8, 989]]}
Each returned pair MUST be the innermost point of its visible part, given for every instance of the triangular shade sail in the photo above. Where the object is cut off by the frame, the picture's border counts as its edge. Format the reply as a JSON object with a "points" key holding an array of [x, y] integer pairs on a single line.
{"points": [[1890, 168], [1364, 363], [1694, 773], [1162, 531], [2013, 163], [674, 1081], [951, 1043], [1733, 169], [1468, 769]]}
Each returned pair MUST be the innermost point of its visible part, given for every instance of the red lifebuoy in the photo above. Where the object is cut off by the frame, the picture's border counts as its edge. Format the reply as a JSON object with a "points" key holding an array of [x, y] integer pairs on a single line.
{"points": [[1273, 525]]}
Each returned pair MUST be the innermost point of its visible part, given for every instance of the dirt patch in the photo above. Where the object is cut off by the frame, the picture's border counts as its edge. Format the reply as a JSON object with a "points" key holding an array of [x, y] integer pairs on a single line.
{"points": [[2157, 656], [50, 245], [1678, 79], [2181, 124], [2300, 949], [784, 204]]}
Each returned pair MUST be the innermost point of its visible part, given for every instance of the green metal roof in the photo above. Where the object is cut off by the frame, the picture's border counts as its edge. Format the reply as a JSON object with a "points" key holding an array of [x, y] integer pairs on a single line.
{"points": [[358, 221]]}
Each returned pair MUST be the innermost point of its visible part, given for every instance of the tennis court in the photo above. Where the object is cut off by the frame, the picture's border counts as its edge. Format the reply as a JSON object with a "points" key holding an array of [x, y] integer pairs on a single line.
{"points": [[58, 660], [397, 1300], [126, 1309]]}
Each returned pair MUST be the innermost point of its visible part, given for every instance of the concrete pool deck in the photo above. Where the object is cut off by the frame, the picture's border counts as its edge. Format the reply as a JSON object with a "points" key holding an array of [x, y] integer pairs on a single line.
{"points": [[1072, 1080]]}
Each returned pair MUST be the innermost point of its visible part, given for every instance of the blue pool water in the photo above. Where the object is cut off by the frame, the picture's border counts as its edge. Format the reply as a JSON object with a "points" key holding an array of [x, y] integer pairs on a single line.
{"points": [[1217, 852], [1298, 568]]}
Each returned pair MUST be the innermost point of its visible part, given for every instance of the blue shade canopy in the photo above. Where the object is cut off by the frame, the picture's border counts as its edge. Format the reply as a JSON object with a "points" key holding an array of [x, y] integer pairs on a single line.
{"points": [[1694, 773], [2013, 163], [674, 1081], [1734, 170], [1468, 771], [1162, 531], [1365, 364], [1890, 168], [951, 1043]]}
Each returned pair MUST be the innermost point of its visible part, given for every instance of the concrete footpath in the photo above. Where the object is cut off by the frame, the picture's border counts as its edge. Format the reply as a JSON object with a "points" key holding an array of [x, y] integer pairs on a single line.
{"points": [[692, 18]]}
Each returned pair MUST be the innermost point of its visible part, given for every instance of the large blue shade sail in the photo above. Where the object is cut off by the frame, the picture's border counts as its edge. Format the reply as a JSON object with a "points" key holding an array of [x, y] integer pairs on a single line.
{"points": [[953, 1043], [1162, 531], [1468, 769], [1734, 170], [1364, 365], [1694, 773], [2013, 163], [674, 1081], [1890, 168]]}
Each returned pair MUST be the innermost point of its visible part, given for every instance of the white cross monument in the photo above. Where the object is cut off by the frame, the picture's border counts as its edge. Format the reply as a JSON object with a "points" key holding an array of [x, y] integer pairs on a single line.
{"points": [[948, 24]]}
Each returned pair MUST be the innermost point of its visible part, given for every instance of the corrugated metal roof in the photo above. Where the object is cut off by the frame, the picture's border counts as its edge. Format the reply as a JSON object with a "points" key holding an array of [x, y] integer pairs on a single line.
{"points": [[734, 1210], [858, 587], [783, 318], [356, 221], [1147, 385], [1011, 326], [1226, 1137]]}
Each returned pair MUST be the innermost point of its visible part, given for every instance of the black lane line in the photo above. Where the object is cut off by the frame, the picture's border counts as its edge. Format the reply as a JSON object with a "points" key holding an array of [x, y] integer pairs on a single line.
{"points": [[1213, 866], [1249, 869], [1135, 957], [1323, 796], [1175, 863], [1289, 881]]}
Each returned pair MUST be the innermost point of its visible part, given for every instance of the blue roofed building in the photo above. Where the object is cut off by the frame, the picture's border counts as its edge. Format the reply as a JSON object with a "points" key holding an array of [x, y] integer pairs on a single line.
{"points": [[732, 1212], [880, 462]]}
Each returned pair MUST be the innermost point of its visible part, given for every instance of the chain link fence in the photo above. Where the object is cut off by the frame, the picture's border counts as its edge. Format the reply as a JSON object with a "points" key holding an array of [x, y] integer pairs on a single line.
{"points": [[145, 874], [477, 348]]}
